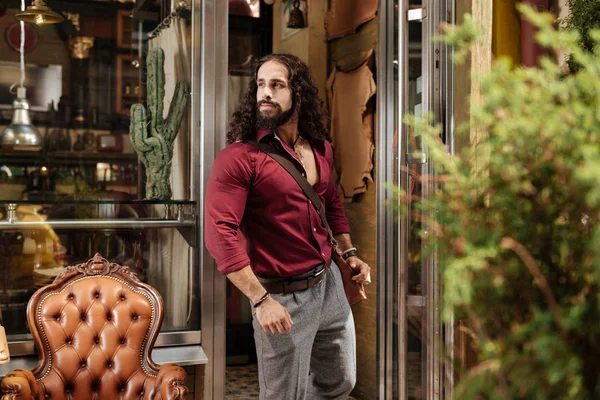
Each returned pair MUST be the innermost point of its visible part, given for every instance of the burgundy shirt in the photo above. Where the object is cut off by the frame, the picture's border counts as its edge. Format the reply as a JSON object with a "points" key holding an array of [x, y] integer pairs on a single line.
{"points": [[248, 192]]}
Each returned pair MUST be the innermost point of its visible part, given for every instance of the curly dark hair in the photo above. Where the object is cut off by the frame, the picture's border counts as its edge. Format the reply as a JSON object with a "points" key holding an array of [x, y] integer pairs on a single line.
{"points": [[312, 115]]}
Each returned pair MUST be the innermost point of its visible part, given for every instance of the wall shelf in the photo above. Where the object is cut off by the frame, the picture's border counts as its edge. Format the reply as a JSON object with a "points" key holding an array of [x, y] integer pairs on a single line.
{"points": [[184, 223], [65, 158]]}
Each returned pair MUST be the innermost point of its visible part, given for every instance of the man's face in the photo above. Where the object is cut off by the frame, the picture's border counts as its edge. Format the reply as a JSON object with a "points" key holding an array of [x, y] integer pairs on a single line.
{"points": [[274, 96]]}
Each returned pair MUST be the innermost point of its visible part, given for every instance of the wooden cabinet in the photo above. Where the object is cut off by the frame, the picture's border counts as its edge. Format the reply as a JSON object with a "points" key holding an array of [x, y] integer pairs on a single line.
{"points": [[124, 29], [129, 89]]}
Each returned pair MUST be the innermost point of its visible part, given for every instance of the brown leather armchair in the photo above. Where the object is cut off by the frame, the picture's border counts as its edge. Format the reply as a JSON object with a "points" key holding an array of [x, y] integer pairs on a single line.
{"points": [[94, 329]]}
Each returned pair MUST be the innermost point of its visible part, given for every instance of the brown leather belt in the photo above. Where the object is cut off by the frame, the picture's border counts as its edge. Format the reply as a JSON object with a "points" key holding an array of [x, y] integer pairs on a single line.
{"points": [[294, 283]]}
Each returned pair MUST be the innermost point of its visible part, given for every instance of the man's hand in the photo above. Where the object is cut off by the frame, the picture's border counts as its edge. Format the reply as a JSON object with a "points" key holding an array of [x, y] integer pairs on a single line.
{"points": [[273, 317], [364, 271]]}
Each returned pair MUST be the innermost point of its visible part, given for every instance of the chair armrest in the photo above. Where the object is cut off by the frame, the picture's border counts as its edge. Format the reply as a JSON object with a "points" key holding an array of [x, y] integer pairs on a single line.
{"points": [[170, 382], [19, 384]]}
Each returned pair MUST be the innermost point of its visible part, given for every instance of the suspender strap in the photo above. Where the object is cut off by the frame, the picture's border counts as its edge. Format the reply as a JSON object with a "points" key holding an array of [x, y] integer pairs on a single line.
{"points": [[306, 187]]}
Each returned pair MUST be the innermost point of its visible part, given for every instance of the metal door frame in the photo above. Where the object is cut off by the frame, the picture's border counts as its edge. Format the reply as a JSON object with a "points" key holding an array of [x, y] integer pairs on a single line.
{"points": [[209, 123], [391, 230]]}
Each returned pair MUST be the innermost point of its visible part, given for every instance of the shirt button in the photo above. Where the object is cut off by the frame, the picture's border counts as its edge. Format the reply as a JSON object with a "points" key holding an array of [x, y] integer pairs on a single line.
{"points": [[314, 229], [303, 174], [322, 254]]}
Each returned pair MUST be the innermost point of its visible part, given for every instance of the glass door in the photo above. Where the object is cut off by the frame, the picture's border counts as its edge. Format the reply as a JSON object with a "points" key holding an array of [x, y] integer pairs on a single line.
{"points": [[411, 336]]}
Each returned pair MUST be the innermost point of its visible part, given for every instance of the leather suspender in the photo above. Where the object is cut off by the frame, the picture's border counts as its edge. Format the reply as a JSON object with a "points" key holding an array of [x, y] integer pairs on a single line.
{"points": [[306, 187]]}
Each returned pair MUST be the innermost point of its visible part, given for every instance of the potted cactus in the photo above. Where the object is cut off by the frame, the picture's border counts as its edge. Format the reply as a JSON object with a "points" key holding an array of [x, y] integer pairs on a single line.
{"points": [[152, 135]]}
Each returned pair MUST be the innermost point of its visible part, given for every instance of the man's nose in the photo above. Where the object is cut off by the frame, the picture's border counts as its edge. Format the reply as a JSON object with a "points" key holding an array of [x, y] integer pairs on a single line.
{"points": [[267, 94]]}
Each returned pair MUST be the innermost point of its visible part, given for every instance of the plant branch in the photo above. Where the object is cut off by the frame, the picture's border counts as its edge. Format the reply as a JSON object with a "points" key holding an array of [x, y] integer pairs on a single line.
{"points": [[538, 276]]}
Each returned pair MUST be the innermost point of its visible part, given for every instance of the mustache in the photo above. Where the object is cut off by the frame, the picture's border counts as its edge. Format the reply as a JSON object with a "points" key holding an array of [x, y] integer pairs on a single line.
{"points": [[260, 103]]}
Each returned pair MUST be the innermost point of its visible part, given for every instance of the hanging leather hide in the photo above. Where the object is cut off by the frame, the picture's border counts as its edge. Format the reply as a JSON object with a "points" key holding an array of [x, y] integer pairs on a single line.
{"points": [[345, 16], [351, 51]]}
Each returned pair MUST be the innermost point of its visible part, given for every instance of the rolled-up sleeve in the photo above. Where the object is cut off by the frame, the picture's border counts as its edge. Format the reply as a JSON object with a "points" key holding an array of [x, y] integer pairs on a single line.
{"points": [[334, 209], [226, 195]]}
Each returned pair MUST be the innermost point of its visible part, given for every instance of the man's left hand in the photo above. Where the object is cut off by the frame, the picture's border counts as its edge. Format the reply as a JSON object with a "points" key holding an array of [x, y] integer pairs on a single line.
{"points": [[364, 271]]}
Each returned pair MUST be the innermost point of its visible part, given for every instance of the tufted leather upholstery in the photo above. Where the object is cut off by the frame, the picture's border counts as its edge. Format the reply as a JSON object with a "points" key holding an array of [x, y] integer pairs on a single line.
{"points": [[94, 329]]}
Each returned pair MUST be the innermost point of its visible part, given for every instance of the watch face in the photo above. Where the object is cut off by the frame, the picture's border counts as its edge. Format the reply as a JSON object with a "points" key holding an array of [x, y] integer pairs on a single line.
{"points": [[13, 37]]}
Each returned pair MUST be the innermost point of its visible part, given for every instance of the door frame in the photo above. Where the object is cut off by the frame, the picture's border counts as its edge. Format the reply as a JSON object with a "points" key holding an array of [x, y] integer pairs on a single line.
{"points": [[392, 232]]}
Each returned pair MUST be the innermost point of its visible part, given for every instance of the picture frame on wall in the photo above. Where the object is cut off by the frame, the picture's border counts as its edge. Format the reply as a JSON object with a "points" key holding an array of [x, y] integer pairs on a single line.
{"points": [[285, 16]]}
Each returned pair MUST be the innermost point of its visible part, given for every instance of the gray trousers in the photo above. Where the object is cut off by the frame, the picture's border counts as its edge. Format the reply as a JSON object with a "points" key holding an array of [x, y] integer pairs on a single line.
{"points": [[317, 359]]}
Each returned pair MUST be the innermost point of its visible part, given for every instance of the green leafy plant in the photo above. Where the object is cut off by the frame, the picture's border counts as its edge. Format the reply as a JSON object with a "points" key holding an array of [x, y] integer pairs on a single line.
{"points": [[584, 16], [517, 224]]}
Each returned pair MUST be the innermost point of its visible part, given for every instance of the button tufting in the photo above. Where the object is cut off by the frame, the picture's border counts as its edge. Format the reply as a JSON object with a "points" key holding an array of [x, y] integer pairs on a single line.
{"points": [[135, 317], [122, 341], [83, 316], [96, 295], [123, 297], [69, 341], [83, 364], [108, 317], [46, 396], [71, 296], [109, 364], [57, 317], [96, 340]]}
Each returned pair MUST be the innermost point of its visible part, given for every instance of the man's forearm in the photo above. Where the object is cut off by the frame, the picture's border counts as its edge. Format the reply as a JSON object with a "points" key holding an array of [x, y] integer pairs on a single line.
{"points": [[344, 241], [248, 283]]}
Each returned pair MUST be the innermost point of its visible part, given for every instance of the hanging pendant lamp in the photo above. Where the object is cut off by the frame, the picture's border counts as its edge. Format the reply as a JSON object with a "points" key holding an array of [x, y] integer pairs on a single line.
{"points": [[21, 133], [40, 14]]}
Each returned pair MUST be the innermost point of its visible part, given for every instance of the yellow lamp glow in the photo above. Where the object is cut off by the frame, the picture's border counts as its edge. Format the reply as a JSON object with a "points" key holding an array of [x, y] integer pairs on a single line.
{"points": [[39, 19]]}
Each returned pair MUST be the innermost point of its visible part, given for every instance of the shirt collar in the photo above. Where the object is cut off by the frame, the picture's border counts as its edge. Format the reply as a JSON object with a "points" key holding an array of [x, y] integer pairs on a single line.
{"points": [[262, 133]]}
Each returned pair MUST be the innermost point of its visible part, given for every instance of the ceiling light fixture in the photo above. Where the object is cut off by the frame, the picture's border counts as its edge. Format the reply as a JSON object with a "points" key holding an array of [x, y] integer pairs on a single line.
{"points": [[40, 14]]}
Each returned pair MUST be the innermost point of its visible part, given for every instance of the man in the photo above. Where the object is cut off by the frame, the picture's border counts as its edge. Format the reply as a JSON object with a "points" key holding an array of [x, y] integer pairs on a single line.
{"points": [[303, 326]]}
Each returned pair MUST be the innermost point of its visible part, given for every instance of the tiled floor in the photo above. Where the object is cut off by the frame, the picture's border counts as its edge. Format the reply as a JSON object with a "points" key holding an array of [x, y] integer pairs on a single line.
{"points": [[242, 383]]}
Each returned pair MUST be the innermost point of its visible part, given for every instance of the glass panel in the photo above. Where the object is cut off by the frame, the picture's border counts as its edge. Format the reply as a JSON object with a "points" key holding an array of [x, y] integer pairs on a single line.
{"points": [[410, 334], [415, 284], [82, 77], [30, 259], [397, 157]]}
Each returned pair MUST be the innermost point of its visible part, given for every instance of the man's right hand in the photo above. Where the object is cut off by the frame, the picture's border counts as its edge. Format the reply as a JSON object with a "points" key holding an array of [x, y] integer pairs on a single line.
{"points": [[273, 317]]}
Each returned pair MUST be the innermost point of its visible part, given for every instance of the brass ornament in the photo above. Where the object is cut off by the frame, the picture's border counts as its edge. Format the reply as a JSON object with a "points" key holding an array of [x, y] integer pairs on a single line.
{"points": [[80, 46], [74, 18]]}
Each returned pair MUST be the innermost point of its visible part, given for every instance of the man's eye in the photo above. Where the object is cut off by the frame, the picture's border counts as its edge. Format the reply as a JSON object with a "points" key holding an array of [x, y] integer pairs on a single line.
{"points": [[261, 84], [277, 85]]}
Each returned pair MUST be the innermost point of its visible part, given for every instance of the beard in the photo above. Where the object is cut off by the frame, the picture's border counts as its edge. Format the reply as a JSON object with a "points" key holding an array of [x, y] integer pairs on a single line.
{"points": [[273, 121]]}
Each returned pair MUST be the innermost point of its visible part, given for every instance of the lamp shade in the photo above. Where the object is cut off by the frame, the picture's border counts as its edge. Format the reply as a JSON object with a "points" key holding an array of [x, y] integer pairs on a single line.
{"points": [[40, 14], [21, 133]]}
